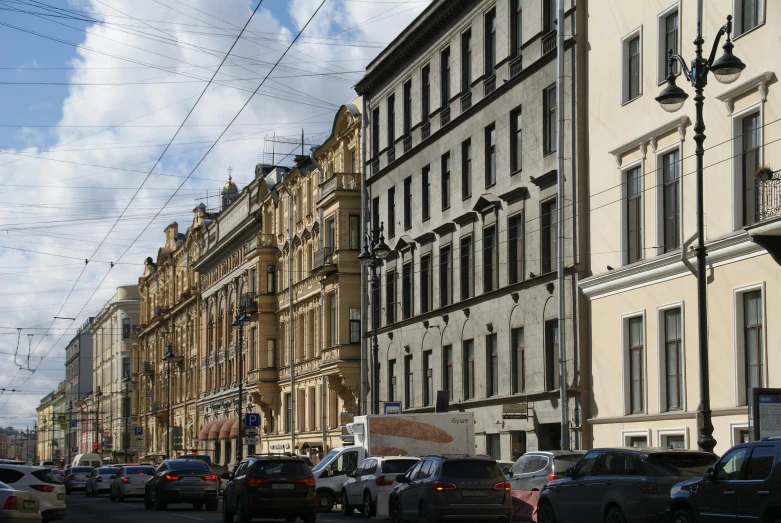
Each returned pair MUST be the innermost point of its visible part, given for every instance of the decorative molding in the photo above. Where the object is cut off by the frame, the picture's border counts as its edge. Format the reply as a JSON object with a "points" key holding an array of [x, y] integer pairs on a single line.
{"points": [[759, 82], [639, 143], [545, 179]]}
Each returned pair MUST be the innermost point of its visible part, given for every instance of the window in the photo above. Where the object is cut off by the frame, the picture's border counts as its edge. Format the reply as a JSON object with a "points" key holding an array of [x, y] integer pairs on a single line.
{"points": [[549, 122], [426, 193], [391, 212], [636, 365], [751, 160], [355, 325], [516, 141], [428, 386], [425, 93], [671, 200], [353, 162], [519, 360], [406, 291], [634, 214], [467, 268], [490, 155], [466, 62], [668, 39], [490, 260], [515, 248], [271, 353], [127, 327], [551, 354], [728, 468], [408, 203], [445, 181], [492, 357], [490, 43], [426, 282], [549, 15], [549, 239], [753, 339], [409, 383], [330, 233], [355, 232], [748, 15], [376, 219], [631, 86], [447, 370], [637, 441], [466, 169], [391, 120], [516, 27], [376, 131], [493, 446], [445, 276], [390, 297], [675, 441], [392, 380], [469, 369], [332, 319], [444, 79], [407, 107], [673, 359], [760, 464], [288, 414]]}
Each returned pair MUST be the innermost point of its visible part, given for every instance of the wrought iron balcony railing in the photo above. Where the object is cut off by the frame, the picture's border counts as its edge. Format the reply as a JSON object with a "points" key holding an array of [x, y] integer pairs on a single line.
{"points": [[549, 43], [768, 198], [466, 101], [324, 257], [340, 182], [516, 66]]}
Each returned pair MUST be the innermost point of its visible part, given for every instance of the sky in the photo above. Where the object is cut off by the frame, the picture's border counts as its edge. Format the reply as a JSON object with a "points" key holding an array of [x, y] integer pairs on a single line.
{"points": [[92, 92]]}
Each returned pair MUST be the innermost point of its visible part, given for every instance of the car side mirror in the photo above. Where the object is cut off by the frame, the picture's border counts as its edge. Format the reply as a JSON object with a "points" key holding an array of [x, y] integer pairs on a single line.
{"points": [[709, 474], [225, 475], [401, 478]]}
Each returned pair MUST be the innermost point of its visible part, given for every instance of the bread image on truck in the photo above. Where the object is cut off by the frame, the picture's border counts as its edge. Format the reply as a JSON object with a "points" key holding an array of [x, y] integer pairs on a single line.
{"points": [[415, 434]]}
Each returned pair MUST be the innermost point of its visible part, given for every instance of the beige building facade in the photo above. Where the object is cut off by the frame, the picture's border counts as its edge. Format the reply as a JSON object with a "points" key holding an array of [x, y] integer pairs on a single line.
{"points": [[642, 301], [43, 445]]}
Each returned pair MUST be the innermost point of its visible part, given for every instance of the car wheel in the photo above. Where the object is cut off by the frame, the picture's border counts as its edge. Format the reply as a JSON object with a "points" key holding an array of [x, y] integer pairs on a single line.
{"points": [[242, 515], [227, 515], [422, 516], [614, 515], [160, 505], [325, 501], [545, 513], [120, 497], [148, 503], [95, 493], [197, 506], [111, 495], [347, 510], [211, 505], [683, 515], [395, 513], [368, 505]]}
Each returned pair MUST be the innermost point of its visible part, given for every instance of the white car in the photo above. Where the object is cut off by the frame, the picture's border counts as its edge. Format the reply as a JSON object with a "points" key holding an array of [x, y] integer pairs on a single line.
{"points": [[17, 506], [99, 481], [129, 482], [369, 487], [40, 482]]}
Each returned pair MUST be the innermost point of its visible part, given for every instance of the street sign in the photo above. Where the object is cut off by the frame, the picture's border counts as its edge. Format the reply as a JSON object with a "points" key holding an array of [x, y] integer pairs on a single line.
{"points": [[138, 431], [251, 432], [149, 394], [392, 407], [74, 449], [518, 410], [250, 441], [176, 437], [252, 419]]}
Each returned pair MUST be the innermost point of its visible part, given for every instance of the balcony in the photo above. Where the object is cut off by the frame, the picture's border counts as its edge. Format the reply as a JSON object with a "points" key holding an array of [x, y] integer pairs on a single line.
{"points": [[766, 229], [267, 241], [444, 117], [375, 166], [768, 198], [146, 368], [489, 85], [392, 154], [340, 182], [301, 368], [549, 43], [407, 143], [516, 66], [324, 258], [466, 101], [425, 130]]}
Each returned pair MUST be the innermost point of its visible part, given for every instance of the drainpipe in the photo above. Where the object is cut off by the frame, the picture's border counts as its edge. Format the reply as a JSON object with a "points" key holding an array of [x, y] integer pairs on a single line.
{"points": [[364, 227], [290, 351], [322, 415]]}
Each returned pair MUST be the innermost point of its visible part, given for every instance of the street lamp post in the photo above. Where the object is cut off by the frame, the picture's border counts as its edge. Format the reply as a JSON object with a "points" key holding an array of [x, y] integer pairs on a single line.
{"points": [[126, 413], [243, 311], [167, 358], [98, 395], [726, 69], [69, 439], [371, 257]]}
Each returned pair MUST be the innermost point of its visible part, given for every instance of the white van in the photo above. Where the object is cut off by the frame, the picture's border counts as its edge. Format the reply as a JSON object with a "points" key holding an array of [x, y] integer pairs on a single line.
{"points": [[87, 460]]}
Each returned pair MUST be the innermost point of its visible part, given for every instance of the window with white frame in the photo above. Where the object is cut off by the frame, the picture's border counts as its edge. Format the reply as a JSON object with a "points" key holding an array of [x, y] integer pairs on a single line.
{"points": [[634, 363], [669, 38], [636, 438], [749, 340], [673, 438], [633, 226], [671, 358], [631, 65], [671, 200], [748, 15], [750, 161]]}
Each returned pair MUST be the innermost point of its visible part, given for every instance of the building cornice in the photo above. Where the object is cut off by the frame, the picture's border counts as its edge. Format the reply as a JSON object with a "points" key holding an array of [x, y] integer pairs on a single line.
{"points": [[650, 138], [759, 82]]}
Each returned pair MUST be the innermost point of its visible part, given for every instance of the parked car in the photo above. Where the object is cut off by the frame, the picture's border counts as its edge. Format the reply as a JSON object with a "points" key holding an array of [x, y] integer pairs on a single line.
{"points": [[12, 462], [535, 469], [59, 474], [18, 506], [270, 487], [85, 460], [182, 481], [99, 481], [76, 478], [617, 485], [744, 485], [441, 487], [371, 482], [202, 457], [47, 463], [129, 482], [39, 482]]}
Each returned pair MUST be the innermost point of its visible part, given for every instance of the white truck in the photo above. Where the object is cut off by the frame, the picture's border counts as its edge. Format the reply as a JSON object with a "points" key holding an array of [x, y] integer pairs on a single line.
{"points": [[392, 435]]}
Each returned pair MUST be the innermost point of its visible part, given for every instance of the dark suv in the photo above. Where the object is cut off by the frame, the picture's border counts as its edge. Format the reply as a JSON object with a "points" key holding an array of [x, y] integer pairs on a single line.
{"points": [[439, 488], [619, 485], [270, 487], [744, 485]]}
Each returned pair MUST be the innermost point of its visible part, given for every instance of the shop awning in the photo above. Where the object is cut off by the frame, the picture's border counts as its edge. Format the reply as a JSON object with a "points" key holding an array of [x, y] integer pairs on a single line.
{"points": [[204, 434], [214, 431], [225, 430], [235, 429]]}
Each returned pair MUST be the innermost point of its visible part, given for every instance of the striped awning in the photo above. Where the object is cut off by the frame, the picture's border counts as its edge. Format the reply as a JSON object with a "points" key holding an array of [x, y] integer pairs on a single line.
{"points": [[216, 429]]}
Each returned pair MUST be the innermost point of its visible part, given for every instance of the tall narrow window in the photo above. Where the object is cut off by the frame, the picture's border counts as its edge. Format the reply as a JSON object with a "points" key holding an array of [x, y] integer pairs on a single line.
{"points": [[549, 122], [407, 107], [551, 354], [332, 320], [466, 169], [673, 354], [515, 248], [466, 62], [376, 131], [632, 68], [392, 395], [750, 163], [469, 369], [376, 219], [466, 268], [391, 120], [492, 368], [490, 155], [751, 14], [446, 181], [516, 141], [406, 291], [428, 384], [353, 163], [445, 78], [409, 383], [671, 175], [753, 340], [407, 202], [634, 214], [445, 276], [391, 212], [490, 43], [519, 360], [425, 182], [425, 93], [549, 15], [671, 37], [549, 239], [636, 366], [490, 265], [447, 370], [355, 232], [390, 297], [330, 233], [516, 27], [425, 283]]}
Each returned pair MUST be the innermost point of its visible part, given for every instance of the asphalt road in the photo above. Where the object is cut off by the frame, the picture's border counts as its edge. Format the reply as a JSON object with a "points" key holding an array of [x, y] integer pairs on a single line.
{"points": [[81, 509]]}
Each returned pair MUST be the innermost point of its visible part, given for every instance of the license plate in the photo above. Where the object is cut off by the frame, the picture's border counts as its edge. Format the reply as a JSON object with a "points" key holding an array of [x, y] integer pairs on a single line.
{"points": [[473, 493], [282, 486], [29, 504], [60, 496]]}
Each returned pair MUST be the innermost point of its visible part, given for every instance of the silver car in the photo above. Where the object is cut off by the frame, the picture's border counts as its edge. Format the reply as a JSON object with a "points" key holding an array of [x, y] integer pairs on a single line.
{"points": [[372, 482], [76, 478], [535, 469], [17, 506], [99, 481], [129, 482]]}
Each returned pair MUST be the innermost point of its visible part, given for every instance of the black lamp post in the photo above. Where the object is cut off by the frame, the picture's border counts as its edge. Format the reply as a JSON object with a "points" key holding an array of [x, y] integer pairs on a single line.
{"points": [[726, 69], [126, 405], [246, 308], [167, 358], [371, 257], [98, 395]]}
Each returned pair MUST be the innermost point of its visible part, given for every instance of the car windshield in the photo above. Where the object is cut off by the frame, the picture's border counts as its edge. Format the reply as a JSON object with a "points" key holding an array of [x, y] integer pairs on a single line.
{"points": [[265, 468], [131, 471], [682, 465], [45, 475], [189, 464], [326, 460], [107, 470], [562, 463], [397, 466], [471, 469], [80, 470]]}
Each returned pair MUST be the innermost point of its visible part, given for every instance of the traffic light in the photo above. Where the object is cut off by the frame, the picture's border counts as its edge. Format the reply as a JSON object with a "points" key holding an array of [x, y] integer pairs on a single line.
{"points": [[94, 446]]}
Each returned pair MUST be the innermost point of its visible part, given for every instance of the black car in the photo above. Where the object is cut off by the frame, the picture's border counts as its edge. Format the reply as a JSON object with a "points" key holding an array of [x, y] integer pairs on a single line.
{"points": [[744, 485], [444, 487], [182, 481], [270, 487], [619, 485]]}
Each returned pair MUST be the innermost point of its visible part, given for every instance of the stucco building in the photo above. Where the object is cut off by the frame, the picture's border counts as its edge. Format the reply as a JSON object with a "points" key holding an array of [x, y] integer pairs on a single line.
{"points": [[45, 410], [78, 377], [642, 297]]}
